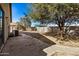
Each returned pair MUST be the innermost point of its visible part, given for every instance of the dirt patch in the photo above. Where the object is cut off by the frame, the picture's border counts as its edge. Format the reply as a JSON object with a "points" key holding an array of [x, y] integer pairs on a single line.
{"points": [[71, 41]]}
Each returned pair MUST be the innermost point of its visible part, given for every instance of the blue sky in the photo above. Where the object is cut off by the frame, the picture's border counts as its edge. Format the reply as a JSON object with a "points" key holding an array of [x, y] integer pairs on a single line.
{"points": [[18, 10]]}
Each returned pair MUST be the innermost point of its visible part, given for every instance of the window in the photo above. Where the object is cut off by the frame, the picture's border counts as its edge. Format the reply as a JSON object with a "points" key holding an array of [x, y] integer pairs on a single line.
{"points": [[1, 27], [0, 22]]}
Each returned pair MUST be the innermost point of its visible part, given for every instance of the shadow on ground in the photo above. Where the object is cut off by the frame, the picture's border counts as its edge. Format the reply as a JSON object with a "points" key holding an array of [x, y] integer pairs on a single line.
{"points": [[40, 37]]}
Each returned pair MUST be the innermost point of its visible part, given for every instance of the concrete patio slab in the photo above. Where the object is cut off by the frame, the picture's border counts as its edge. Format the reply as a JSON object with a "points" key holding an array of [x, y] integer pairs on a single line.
{"points": [[60, 50]]}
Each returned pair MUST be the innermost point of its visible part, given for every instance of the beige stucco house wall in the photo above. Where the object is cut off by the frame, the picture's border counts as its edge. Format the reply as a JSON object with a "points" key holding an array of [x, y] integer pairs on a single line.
{"points": [[13, 26], [7, 19]]}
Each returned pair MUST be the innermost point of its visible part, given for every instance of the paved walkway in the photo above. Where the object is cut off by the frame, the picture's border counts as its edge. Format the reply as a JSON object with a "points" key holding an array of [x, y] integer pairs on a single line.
{"points": [[24, 45]]}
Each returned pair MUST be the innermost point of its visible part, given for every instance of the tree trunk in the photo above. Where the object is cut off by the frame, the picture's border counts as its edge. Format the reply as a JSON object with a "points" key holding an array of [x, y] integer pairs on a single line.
{"points": [[61, 27], [60, 21], [62, 33]]}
